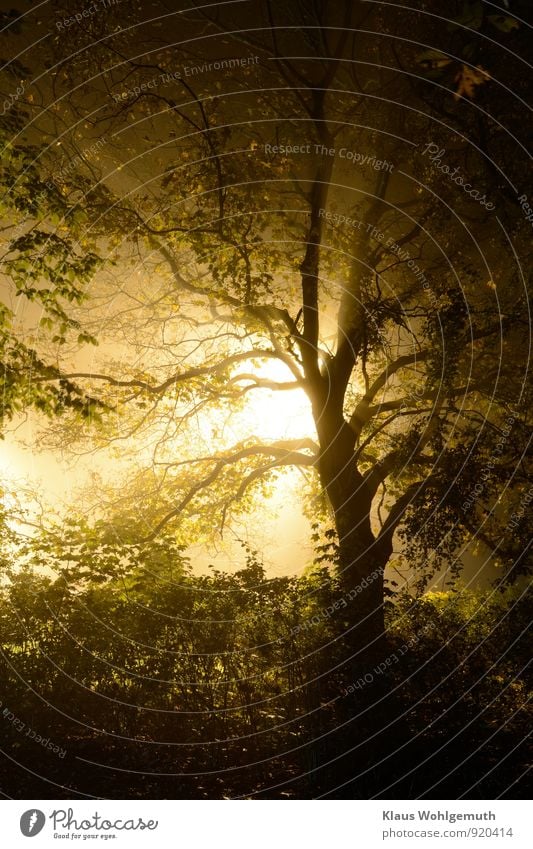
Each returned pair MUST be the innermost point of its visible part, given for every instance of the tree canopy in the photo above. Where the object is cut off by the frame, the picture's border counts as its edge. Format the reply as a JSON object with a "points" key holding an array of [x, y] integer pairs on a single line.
{"points": [[302, 223]]}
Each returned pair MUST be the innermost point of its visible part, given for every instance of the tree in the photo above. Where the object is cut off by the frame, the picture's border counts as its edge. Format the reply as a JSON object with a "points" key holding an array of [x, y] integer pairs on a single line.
{"points": [[47, 266], [280, 219]]}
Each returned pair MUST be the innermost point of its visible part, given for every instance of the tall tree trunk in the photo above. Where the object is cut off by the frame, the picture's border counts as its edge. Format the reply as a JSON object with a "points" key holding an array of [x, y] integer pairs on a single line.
{"points": [[365, 711], [362, 558]]}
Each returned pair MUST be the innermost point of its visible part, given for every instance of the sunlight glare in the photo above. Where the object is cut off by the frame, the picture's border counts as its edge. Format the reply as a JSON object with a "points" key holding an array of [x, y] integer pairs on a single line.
{"points": [[272, 414]]}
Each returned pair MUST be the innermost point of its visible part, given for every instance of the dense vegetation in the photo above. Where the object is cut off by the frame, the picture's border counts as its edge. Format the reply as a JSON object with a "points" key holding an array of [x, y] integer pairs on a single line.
{"points": [[156, 682]]}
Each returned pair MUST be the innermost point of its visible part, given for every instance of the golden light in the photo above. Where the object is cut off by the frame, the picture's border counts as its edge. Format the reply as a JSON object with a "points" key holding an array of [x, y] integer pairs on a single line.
{"points": [[271, 414]]}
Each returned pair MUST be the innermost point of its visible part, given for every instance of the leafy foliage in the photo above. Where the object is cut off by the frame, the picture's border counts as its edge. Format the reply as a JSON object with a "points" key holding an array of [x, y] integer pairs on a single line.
{"points": [[227, 679], [48, 263]]}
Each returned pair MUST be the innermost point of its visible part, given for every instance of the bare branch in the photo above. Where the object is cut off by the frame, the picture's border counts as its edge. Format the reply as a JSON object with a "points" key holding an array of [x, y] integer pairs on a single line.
{"points": [[283, 457], [397, 513], [199, 371], [263, 383], [361, 413], [383, 467], [278, 448], [428, 395]]}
